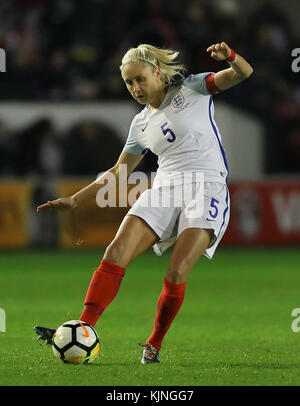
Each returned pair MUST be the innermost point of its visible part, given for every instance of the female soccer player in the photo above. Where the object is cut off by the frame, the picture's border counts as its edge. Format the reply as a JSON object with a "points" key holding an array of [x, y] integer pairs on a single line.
{"points": [[177, 124]]}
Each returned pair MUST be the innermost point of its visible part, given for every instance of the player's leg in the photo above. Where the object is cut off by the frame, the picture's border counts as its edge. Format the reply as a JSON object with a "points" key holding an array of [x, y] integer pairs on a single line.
{"points": [[133, 238], [200, 231], [189, 247]]}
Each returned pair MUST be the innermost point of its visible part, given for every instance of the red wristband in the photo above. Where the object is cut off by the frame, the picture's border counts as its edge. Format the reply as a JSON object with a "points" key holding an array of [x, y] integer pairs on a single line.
{"points": [[231, 57], [210, 84]]}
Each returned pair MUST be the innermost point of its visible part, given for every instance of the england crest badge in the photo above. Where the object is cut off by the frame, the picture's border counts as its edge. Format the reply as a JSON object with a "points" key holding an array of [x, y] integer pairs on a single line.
{"points": [[178, 100]]}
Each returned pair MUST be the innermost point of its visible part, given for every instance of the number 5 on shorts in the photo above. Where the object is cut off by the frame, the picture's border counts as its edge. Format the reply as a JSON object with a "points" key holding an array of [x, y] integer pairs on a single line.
{"points": [[213, 204]]}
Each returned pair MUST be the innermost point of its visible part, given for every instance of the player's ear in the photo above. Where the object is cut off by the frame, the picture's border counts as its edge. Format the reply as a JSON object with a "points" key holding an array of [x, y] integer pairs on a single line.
{"points": [[158, 73]]}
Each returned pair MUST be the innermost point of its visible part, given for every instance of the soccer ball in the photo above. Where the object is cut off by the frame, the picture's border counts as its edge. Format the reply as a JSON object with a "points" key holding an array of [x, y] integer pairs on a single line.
{"points": [[76, 342]]}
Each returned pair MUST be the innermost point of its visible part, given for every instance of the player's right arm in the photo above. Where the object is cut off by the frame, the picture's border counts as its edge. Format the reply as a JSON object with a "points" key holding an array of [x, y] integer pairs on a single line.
{"points": [[90, 191]]}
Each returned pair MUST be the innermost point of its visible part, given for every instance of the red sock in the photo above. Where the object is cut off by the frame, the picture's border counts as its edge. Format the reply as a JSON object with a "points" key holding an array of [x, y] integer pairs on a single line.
{"points": [[168, 305], [103, 288]]}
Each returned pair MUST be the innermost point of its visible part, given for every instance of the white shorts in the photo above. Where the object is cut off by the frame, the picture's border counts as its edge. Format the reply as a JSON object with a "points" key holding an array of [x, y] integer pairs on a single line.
{"points": [[207, 206]]}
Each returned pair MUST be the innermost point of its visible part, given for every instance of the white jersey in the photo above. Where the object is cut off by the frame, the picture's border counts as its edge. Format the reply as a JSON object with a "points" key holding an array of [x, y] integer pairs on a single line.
{"points": [[182, 133]]}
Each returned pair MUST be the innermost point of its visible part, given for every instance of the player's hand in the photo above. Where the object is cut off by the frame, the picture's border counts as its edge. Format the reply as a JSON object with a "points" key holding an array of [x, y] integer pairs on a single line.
{"points": [[58, 204], [219, 52]]}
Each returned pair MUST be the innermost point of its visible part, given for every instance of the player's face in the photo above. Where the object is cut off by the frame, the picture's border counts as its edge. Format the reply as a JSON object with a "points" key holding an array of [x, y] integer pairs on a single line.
{"points": [[143, 82]]}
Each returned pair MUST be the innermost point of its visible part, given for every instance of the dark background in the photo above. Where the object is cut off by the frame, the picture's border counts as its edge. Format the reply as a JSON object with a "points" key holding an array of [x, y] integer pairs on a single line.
{"points": [[68, 50]]}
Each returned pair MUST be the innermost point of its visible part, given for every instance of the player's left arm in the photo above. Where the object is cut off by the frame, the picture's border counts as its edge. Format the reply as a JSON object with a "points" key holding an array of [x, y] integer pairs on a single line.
{"points": [[239, 69]]}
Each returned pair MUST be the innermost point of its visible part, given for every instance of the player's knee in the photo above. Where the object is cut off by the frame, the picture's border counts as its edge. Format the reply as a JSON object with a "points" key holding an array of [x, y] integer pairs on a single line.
{"points": [[116, 253], [178, 271]]}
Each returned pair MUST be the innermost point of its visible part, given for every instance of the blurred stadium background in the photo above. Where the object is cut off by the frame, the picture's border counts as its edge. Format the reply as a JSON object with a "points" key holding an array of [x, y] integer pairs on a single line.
{"points": [[65, 113]]}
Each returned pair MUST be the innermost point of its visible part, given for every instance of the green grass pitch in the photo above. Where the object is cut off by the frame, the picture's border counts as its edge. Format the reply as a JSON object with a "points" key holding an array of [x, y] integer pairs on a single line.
{"points": [[234, 328]]}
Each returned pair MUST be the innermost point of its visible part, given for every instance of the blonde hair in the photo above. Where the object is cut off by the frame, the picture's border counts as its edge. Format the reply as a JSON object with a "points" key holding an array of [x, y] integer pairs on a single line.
{"points": [[164, 59]]}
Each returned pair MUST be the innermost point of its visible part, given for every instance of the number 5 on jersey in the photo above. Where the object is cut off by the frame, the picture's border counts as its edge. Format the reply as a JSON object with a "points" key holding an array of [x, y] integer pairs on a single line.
{"points": [[168, 131]]}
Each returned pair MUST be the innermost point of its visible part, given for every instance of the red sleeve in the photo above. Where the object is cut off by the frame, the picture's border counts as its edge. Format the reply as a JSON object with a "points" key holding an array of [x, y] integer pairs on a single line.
{"points": [[210, 84]]}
